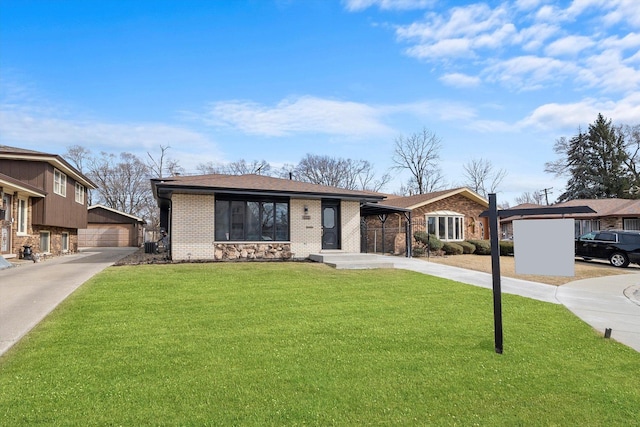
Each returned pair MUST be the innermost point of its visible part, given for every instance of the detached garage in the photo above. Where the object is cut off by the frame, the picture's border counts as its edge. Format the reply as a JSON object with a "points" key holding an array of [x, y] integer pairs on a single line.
{"points": [[108, 227]]}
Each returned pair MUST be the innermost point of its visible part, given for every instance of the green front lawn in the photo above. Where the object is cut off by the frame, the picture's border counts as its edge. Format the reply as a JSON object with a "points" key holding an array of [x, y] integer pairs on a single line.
{"points": [[296, 343]]}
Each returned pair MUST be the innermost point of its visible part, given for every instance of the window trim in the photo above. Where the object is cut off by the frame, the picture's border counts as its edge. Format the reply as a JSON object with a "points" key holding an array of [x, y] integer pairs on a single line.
{"points": [[245, 221], [22, 227], [59, 183], [79, 193], [41, 235], [446, 224], [64, 243]]}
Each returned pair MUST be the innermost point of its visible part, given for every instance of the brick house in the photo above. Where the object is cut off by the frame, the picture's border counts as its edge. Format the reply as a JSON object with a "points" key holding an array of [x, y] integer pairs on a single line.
{"points": [[44, 203], [619, 214], [227, 217], [452, 215]]}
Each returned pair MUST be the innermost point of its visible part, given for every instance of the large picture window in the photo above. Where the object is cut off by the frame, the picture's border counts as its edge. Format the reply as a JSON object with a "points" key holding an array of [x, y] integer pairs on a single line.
{"points": [[446, 225], [251, 220]]}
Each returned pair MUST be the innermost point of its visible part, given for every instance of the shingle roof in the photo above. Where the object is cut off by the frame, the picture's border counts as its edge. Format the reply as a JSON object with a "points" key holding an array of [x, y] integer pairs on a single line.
{"points": [[412, 202], [607, 207], [252, 183]]}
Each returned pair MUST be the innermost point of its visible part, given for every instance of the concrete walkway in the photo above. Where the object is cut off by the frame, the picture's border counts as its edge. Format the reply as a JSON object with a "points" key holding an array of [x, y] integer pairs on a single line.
{"points": [[30, 291], [604, 302]]}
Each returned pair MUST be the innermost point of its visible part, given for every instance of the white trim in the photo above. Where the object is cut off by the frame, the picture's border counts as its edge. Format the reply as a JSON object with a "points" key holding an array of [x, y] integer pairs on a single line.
{"points": [[59, 184], [48, 234], [116, 211], [22, 218]]}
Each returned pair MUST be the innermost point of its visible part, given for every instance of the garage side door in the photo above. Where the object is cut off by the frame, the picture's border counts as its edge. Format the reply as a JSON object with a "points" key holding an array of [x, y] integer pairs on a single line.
{"points": [[97, 235]]}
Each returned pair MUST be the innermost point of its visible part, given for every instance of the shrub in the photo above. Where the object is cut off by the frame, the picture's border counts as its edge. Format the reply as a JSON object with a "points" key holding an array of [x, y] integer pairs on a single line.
{"points": [[417, 251], [506, 247], [467, 247], [430, 239], [451, 248], [483, 247]]}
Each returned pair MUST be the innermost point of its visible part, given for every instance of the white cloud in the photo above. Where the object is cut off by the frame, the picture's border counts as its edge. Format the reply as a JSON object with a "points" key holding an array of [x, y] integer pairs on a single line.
{"points": [[529, 72], [570, 116], [298, 115], [569, 46], [460, 80], [40, 129], [358, 5]]}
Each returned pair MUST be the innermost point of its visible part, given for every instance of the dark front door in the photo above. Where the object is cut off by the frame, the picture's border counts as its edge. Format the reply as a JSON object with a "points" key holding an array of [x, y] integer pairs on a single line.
{"points": [[330, 224]]}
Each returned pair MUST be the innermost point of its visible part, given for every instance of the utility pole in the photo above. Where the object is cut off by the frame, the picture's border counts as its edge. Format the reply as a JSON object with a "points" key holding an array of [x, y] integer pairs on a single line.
{"points": [[546, 194]]}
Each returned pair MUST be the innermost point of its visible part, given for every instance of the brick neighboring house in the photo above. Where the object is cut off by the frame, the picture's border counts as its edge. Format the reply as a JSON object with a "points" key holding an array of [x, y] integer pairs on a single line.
{"points": [[226, 217], [44, 202], [620, 214], [452, 215]]}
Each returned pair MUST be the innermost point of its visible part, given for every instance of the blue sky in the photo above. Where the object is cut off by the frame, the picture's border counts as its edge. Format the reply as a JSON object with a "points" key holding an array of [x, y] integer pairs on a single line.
{"points": [[274, 80]]}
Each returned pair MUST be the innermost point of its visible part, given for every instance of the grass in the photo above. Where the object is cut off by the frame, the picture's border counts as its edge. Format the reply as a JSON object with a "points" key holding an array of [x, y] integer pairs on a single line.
{"points": [[292, 344]]}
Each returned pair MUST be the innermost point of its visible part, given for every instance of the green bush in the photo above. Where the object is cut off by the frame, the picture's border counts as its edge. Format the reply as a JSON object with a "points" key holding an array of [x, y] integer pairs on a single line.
{"points": [[451, 248], [434, 243], [506, 247], [483, 247], [417, 251], [467, 247]]}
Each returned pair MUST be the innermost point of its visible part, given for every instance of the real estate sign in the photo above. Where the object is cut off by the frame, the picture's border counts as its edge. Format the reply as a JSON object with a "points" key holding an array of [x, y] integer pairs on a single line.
{"points": [[544, 247]]}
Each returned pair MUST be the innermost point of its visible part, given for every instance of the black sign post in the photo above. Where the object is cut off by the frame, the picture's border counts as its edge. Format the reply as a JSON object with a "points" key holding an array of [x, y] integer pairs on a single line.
{"points": [[493, 215], [495, 272]]}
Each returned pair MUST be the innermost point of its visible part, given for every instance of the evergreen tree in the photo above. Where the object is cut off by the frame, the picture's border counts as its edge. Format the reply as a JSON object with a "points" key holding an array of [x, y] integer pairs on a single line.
{"points": [[595, 162]]}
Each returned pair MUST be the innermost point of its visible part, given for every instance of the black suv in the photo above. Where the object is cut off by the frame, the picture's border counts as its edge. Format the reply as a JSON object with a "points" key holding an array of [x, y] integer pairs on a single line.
{"points": [[619, 247]]}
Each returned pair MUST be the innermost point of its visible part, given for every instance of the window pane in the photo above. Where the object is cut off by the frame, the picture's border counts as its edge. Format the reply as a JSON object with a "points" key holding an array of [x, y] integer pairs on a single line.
{"points": [[44, 242], [442, 228], [253, 221], [329, 217], [222, 220], [237, 220], [282, 221], [267, 221], [450, 228], [22, 216], [431, 227]]}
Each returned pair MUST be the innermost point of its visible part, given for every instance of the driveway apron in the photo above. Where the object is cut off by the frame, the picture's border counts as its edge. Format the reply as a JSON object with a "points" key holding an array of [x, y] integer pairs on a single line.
{"points": [[30, 291]]}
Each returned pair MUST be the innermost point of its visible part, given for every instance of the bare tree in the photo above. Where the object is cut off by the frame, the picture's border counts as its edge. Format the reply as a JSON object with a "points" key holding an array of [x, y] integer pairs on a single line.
{"points": [[210, 168], [535, 198], [338, 172], [418, 153], [78, 156], [241, 167], [481, 176], [123, 182], [161, 164]]}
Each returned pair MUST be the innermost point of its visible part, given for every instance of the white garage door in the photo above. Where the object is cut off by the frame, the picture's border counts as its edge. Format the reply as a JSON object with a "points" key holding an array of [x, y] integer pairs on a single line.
{"points": [[100, 235]]}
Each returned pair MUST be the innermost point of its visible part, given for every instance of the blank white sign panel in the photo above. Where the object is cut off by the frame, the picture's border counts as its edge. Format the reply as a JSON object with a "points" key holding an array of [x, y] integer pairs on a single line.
{"points": [[544, 247]]}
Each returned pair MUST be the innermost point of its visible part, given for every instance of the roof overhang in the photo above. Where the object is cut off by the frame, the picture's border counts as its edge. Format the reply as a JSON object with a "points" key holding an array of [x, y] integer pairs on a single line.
{"points": [[163, 191], [14, 185], [370, 209], [116, 211]]}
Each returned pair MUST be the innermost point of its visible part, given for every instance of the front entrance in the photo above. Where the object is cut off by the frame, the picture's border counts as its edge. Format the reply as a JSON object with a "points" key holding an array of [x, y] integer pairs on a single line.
{"points": [[331, 224], [5, 224]]}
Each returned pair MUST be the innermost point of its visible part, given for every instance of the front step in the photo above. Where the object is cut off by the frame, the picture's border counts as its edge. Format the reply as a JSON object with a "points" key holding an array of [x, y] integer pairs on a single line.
{"points": [[352, 261]]}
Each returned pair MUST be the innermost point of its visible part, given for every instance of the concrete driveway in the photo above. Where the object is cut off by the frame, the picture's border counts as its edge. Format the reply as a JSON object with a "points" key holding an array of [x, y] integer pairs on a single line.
{"points": [[30, 291]]}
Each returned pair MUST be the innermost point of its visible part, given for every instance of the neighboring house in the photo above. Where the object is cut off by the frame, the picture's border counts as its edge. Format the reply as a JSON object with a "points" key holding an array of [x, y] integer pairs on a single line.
{"points": [[452, 215], [109, 227], [44, 202], [222, 217], [620, 214]]}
